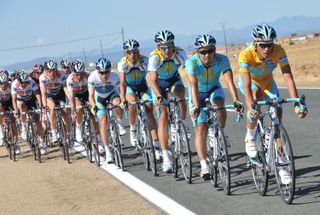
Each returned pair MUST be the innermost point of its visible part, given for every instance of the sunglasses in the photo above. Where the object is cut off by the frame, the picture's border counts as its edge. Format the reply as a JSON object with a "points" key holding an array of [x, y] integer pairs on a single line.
{"points": [[208, 51], [104, 72], [265, 45], [165, 47], [133, 52]]}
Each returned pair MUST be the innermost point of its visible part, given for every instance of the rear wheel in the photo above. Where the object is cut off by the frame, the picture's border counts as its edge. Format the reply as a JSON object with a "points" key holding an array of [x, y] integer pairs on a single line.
{"points": [[184, 152], [88, 138], [259, 172], [150, 148], [284, 162]]}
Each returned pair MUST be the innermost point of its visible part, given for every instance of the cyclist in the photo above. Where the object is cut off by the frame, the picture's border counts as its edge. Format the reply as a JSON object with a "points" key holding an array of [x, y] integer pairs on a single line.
{"points": [[256, 64], [65, 67], [25, 93], [53, 92], [77, 84], [102, 87], [6, 105], [163, 66], [203, 70], [37, 70], [132, 73]]}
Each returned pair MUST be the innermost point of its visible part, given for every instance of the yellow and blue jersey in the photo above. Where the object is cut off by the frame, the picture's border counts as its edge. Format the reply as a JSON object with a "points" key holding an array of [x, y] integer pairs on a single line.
{"points": [[261, 71]]}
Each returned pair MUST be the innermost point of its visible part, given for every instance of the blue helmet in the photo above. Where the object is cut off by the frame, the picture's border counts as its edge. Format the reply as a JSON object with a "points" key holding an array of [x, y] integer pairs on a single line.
{"points": [[163, 37], [204, 40], [102, 64], [263, 33]]}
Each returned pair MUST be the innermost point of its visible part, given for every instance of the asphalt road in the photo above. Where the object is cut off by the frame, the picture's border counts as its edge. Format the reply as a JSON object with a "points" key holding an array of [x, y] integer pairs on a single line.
{"points": [[202, 198]]}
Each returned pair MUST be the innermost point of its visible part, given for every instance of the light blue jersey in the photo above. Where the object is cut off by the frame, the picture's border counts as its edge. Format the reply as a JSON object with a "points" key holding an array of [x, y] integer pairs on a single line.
{"points": [[208, 77]]}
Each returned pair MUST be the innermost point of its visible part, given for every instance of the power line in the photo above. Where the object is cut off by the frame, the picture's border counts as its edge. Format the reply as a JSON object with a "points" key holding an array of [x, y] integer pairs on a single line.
{"points": [[59, 43]]}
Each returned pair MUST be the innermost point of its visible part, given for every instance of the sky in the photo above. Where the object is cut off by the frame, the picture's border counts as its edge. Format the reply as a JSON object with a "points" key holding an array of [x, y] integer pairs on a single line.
{"points": [[30, 23]]}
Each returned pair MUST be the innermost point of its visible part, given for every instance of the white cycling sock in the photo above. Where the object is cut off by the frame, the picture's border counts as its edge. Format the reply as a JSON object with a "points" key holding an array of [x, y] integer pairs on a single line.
{"points": [[203, 164], [165, 154], [250, 133], [133, 127], [120, 121]]}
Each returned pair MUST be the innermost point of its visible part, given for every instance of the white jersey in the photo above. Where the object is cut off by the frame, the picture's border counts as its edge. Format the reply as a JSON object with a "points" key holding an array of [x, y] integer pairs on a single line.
{"points": [[24, 93], [5, 93], [78, 85], [54, 82], [104, 88]]}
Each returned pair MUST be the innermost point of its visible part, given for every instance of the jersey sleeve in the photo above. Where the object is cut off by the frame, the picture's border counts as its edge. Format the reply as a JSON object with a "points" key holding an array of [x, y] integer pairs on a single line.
{"points": [[283, 58], [121, 66], [244, 61], [91, 82], [13, 88], [153, 63], [189, 66], [225, 64], [182, 56]]}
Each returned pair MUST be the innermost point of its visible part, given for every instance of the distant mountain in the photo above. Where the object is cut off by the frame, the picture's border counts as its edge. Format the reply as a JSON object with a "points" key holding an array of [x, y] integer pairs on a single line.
{"points": [[283, 26]]}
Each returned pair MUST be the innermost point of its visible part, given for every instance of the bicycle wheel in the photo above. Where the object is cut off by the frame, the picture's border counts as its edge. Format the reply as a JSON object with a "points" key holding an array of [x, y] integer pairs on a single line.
{"points": [[212, 166], [284, 161], [66, 143], [142, 141], [150, 147], [12, 144], [116, 143], [61, 140], [184, 153], [223, 161], [259, 171], [36, 145], [88, 138], [94, 144]]}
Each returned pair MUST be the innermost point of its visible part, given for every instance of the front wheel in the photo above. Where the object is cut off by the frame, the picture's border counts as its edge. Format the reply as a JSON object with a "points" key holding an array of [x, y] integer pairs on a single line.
{"points": [[284, 165], [94, 143], [148, 148], [116, 143], [259, 171], [184, 152]]}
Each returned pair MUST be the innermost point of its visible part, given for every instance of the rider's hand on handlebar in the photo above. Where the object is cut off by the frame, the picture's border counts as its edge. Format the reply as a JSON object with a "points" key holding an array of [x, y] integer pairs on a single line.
{"points": [[238, 106], [301, 111], [195, 111]]}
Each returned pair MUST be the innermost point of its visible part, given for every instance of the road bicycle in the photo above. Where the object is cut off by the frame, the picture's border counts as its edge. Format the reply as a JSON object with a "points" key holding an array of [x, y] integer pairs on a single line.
{"points": [[274, 149], [8, 135], [145, 142], [217, 154]]}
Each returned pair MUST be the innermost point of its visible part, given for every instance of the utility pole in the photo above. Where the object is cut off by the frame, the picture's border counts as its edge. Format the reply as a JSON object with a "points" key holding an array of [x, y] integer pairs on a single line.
{"points": [[224, 37], [122, 32], [101, 49], [84, 56]]}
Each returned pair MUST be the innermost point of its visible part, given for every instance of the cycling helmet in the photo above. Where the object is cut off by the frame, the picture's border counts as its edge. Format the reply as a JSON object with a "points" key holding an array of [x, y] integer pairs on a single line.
{"points": [[38, 68], [65, 63], [163, 37], [77, 66], [103, 64], [263, 33], [22, 76], [4, 76], [130, 45], [204, 40], [50, 64], [12, 73]]}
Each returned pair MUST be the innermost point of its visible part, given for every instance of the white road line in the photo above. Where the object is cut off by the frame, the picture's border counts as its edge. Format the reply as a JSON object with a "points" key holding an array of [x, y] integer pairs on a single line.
{"points": [[149, 193]]}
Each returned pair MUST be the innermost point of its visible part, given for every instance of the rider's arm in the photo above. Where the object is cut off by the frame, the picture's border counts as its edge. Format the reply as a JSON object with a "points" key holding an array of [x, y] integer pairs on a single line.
{"points": [[288, 78], [154, 82], [14, 102], [123, 85], [194, 89], [91, 95], [228, 78], [72, 99], [246, 80], [65, 89], [38, 97]]}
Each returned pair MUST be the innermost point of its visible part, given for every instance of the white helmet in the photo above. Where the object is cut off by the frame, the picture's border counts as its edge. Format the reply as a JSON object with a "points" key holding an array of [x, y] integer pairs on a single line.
{"points": [[22, 76], [4, 76], [204, 40], [50, 64], [77, 66], [130, 45], [163, 37], [263, 33]]}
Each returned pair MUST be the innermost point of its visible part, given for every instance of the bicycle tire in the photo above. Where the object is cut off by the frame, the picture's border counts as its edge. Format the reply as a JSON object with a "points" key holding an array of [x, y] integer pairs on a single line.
{"points": [[36, 144], [223, 162], [66, 144], [260, 174], [116, 143], [184, 154], [88, 138], [287, 191], [142, 133], [61, 136], [150, 148], [94, 144], [13, 155], [31, 140], [212, 166]]}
